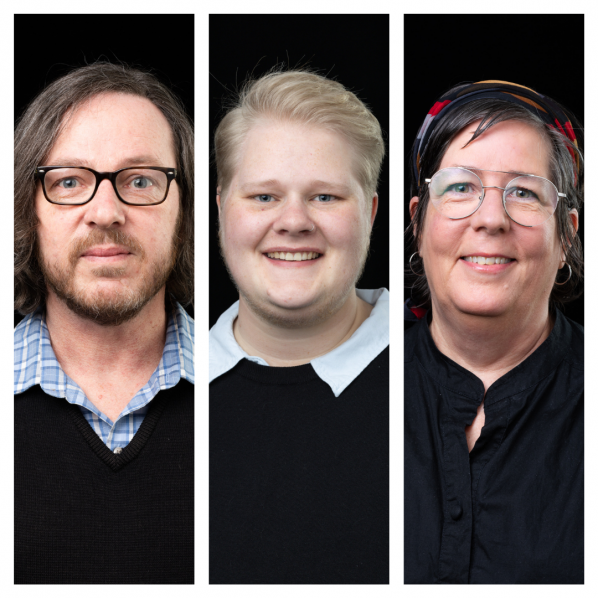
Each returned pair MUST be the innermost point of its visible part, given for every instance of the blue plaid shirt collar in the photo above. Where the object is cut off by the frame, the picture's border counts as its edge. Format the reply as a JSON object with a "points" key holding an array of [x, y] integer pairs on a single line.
{"points": [[35, 362]]}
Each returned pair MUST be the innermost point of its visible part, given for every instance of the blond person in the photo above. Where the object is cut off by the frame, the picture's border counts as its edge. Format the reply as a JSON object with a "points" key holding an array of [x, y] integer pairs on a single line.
{"points": [[299, 365]]}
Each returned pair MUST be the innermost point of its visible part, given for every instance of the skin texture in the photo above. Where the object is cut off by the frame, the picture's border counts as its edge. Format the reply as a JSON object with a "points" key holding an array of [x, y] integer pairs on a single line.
{"points": [[110, 362], [490, 318], [295, 190]]}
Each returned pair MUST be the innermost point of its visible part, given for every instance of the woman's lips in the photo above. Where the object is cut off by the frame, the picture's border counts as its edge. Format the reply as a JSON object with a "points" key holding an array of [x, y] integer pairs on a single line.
{"points": [[487, 263], [487, 260]]}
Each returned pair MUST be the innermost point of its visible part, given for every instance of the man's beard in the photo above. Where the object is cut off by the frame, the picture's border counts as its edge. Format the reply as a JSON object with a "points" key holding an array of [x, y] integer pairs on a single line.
{"points": [[109, 308]]}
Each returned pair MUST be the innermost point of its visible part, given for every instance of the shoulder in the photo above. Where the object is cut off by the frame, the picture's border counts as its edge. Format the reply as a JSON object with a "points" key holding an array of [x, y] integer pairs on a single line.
{"points": [[570, 336], [411, 329], [29, 344], [412, 318]]}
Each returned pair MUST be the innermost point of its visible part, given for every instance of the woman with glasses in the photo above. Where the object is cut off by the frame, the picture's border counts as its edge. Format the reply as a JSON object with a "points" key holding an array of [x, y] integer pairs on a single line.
{"points": [[493, 369]]}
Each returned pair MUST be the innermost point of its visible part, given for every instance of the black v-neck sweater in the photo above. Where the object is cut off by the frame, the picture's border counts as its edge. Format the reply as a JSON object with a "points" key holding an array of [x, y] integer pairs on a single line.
{"points": [[298, 477], [85, 515]]}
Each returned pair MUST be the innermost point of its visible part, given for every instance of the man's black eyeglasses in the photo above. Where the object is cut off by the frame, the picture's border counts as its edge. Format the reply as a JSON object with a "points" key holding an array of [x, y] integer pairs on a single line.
{"points": [[77, 185]]}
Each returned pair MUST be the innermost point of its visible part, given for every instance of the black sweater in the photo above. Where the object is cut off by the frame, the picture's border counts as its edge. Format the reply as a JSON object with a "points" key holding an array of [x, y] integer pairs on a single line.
{"points": [[86, 515], [298, 477]]}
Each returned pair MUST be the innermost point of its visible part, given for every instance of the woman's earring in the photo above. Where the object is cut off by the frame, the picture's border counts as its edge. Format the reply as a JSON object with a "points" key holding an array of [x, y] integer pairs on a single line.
{"points": [[411, 265], [558, 284]]}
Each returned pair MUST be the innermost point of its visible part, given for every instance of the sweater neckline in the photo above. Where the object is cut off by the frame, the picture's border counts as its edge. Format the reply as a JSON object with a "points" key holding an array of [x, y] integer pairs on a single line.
{"points": [[275, 375], [116, 462]]}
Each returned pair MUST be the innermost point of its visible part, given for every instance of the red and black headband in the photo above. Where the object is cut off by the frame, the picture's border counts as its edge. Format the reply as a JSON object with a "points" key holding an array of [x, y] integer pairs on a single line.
{"points": [[548, 110]]}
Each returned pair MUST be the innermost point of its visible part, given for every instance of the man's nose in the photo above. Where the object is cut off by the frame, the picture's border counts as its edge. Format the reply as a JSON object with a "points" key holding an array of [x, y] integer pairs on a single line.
{"points": [[105, 209], [491, 215], [293, 217]]}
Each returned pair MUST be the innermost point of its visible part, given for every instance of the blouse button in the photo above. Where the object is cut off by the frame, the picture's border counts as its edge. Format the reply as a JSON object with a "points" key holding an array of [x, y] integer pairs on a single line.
{"points": [[456, 512], [118, 450]]}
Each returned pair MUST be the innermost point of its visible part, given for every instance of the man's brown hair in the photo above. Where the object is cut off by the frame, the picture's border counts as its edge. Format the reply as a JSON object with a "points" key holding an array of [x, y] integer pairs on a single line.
{"points": [[37, 131]]}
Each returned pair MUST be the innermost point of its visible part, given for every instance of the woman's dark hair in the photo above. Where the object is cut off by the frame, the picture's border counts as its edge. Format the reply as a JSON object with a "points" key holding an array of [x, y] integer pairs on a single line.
{"points": [[563, 174], [37, 131]]}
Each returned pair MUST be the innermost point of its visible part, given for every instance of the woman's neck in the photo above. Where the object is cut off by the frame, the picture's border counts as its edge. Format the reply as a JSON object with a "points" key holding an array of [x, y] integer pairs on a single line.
{"points": [[287, 347], [488, 347]]}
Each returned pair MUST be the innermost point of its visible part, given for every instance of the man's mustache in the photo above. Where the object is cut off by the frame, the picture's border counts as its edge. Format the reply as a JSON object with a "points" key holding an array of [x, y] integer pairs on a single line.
{"points": [[102, 237]]}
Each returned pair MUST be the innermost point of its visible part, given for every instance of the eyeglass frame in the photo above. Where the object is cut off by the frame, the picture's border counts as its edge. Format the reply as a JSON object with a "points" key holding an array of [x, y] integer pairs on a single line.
{"points": [[503, 189], [171, 175]]}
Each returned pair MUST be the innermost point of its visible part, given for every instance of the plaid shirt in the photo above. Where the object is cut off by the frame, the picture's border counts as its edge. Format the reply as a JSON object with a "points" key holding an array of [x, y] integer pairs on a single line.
{"points": [[35, 363]]}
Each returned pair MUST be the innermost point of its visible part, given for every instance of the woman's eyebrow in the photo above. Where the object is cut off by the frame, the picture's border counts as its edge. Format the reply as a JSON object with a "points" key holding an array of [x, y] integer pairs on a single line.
{"points": [[487, 170]]}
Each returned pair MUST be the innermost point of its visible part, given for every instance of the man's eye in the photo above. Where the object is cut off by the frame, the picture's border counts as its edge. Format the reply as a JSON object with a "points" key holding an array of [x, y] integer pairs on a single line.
{"points": [[264, 198], [141, 183], [68, 183], [324, 198]]}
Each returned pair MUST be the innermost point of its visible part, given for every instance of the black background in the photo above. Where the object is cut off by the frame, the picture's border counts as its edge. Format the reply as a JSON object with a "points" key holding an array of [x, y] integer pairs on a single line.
{"points": [[444, 50], [352, 49], [50, 46]]}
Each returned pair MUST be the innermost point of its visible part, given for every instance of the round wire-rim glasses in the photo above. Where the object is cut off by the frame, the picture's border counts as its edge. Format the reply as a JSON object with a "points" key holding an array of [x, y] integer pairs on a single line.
{"points": [[535, 211], [114, 177]]}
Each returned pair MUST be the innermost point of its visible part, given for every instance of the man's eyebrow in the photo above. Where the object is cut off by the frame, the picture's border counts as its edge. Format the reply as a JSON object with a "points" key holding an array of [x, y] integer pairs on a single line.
{"points": [[142, 160]]}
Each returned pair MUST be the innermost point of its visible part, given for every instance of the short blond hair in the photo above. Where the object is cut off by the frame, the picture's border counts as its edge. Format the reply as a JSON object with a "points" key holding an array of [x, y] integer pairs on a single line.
{"points": [[303, 97]]}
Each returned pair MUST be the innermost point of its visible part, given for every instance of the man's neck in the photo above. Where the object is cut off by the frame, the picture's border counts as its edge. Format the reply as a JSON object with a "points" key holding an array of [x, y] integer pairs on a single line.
{"points": [[287, 347], [489, 347], [109, 363]]}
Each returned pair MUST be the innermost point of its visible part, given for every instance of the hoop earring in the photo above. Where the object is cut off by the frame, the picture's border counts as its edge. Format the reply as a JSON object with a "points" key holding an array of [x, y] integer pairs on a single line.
{"points": [[559, 284], [411, 266]]}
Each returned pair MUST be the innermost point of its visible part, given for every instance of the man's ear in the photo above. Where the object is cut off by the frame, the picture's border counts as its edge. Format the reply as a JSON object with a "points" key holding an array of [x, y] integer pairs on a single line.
{"points": [[374, 209]]}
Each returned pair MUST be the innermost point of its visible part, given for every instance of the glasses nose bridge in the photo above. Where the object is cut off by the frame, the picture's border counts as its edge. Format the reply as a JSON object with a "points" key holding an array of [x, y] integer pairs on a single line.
{"points": [[484, 187], [101, 176], [493, 187], [502, 197]]}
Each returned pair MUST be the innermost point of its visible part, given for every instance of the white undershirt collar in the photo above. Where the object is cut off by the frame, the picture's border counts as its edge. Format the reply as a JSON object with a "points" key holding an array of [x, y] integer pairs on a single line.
{"points": [[338, 368]]}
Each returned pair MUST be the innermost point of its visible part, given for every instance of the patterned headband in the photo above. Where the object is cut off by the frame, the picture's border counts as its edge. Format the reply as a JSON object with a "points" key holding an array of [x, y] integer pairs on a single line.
{"points": [[548, 110]]}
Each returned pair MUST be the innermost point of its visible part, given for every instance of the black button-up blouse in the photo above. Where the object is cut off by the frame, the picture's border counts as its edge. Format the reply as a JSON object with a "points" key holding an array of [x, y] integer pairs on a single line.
{"points": [[511, 511]]}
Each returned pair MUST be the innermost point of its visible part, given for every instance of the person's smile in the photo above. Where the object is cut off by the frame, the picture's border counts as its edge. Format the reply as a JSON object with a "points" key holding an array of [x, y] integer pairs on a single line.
{"points": [[295, 222]]}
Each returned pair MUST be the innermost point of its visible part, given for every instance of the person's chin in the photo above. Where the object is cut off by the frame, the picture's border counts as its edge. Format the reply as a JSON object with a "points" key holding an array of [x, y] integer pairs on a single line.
{"points": [[288, 311], [490, 307]]}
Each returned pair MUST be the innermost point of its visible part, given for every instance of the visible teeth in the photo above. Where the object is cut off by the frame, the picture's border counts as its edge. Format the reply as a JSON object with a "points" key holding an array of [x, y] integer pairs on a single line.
{"points": [[487, 260], [293, 257]]}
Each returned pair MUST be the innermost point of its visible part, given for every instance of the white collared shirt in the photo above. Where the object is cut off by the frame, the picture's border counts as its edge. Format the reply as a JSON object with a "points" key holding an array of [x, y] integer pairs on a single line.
{"points": [[338, 368]]}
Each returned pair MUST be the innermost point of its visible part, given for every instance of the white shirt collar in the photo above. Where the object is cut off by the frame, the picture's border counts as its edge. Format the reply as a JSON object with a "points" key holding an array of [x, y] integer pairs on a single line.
{"points": [[338, 368]]}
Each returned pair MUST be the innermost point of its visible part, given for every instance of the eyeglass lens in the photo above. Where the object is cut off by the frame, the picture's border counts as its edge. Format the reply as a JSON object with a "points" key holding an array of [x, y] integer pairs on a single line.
{"points": [[134, 185], [457, 193]]}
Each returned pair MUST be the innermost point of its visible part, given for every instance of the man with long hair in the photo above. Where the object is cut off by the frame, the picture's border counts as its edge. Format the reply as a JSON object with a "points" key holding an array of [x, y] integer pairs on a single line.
{"points": [[104, 374]]}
